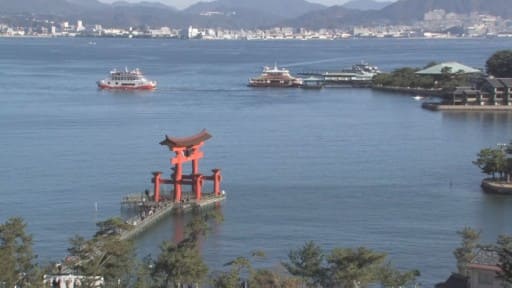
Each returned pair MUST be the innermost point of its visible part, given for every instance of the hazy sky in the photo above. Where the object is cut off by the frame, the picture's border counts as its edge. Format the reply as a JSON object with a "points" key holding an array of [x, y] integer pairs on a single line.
{"points": [[185, 3]]}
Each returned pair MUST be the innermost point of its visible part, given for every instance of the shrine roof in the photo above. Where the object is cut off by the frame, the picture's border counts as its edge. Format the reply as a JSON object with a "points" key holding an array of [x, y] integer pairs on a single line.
{"points": [[454, 68], [172, 142]]}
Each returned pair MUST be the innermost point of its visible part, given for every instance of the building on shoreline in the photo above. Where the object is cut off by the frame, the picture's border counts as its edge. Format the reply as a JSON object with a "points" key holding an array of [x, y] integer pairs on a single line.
{"points": [[435, 24], [448, 67], [482, 272], [487, 91]]}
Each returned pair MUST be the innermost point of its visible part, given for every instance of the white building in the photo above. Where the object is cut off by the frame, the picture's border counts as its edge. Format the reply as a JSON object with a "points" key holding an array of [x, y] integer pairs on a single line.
{"points": [[79, 26], [192, 32], [71, 281]]}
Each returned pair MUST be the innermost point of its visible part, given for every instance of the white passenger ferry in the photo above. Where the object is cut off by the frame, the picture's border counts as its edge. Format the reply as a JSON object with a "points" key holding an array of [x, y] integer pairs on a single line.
{"points": [[275, 77], [126, 80]]}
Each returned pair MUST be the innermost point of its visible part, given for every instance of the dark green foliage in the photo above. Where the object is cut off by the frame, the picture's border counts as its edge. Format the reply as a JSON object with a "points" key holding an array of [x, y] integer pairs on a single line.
{"points": [[494, 161], [446, 71], [182, 263], [233, 277], [504, 248], [505, 265], [179, 264], [307, 263], [198, 225], [407, 78], [449, 81], [508, 148], [226, 280], [391, 277], [504, 241], [143, 277], [507, 171], [500, 64], [241, 269], [265, 278], [16, 256], [466, 252], [345, 267], [112, 226], [106, 256], [352, 268], [404, 77]]}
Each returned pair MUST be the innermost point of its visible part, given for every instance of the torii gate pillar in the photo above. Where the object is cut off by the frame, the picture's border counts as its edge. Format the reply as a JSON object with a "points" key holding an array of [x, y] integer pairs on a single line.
{"points": [[187, 149]]}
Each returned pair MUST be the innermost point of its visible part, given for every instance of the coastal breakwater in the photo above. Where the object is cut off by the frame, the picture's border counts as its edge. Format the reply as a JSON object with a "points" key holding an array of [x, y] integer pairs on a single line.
{"points": [[433, 106], [413, 91], [497, 187]]}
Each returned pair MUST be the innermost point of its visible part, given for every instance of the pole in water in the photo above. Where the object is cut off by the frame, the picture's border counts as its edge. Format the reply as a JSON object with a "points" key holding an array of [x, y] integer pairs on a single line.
{"points": [[96, 206]]}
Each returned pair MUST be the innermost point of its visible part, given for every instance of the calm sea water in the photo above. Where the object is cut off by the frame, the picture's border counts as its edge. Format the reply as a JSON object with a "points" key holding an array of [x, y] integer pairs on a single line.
{"points": [[342, 167]]}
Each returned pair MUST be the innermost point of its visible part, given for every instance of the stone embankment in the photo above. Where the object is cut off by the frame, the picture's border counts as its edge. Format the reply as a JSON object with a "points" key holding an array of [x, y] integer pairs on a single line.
{"points": [[465, 108], [413, 91], [497, 187]]}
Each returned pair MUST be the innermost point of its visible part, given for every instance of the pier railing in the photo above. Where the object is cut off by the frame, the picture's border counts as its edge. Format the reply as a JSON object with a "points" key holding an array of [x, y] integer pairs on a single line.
{"points": [[157, 211]]}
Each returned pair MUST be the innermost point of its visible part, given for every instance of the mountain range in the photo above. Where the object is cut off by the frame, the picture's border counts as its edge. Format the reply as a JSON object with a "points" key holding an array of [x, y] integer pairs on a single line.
{"points": [[249, 13], [366, 5], [277, 9], [405, 11]]}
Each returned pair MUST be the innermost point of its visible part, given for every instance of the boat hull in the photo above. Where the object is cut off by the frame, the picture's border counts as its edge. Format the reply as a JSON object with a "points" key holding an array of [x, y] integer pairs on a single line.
{"points": [[272, 85], [148, 86], [319, 86], [275, 78], [126, 80]]}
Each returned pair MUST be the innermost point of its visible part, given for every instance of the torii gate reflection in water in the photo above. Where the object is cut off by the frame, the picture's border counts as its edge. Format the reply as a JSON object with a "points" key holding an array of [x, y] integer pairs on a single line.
{"points": [[186, 149]]}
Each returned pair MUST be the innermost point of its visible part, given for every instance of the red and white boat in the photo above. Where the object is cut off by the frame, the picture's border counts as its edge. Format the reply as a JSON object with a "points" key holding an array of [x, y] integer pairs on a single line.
{"points": [[126, 80]]}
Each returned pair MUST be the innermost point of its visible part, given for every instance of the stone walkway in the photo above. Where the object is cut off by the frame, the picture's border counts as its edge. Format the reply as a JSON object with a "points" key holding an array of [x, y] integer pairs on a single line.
{"points": [[498, 187]]}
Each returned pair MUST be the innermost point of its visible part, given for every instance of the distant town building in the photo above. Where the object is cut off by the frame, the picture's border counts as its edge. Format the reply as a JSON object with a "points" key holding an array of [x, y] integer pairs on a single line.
{"points": [[193, 32], [435, 24], [79, 26]]}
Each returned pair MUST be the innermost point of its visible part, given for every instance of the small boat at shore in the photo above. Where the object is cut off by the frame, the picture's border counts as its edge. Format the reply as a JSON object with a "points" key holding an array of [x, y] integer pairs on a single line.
{"points": [[126, 80], [418, 97], [275, 77]]}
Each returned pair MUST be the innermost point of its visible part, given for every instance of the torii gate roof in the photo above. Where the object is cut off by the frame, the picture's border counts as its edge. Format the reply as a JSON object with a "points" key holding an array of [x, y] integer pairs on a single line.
{"points": [[172, 142]]}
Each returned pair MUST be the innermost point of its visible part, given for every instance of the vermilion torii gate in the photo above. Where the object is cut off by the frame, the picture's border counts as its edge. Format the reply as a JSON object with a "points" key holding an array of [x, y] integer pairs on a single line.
{"points": [[186, 149]]}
